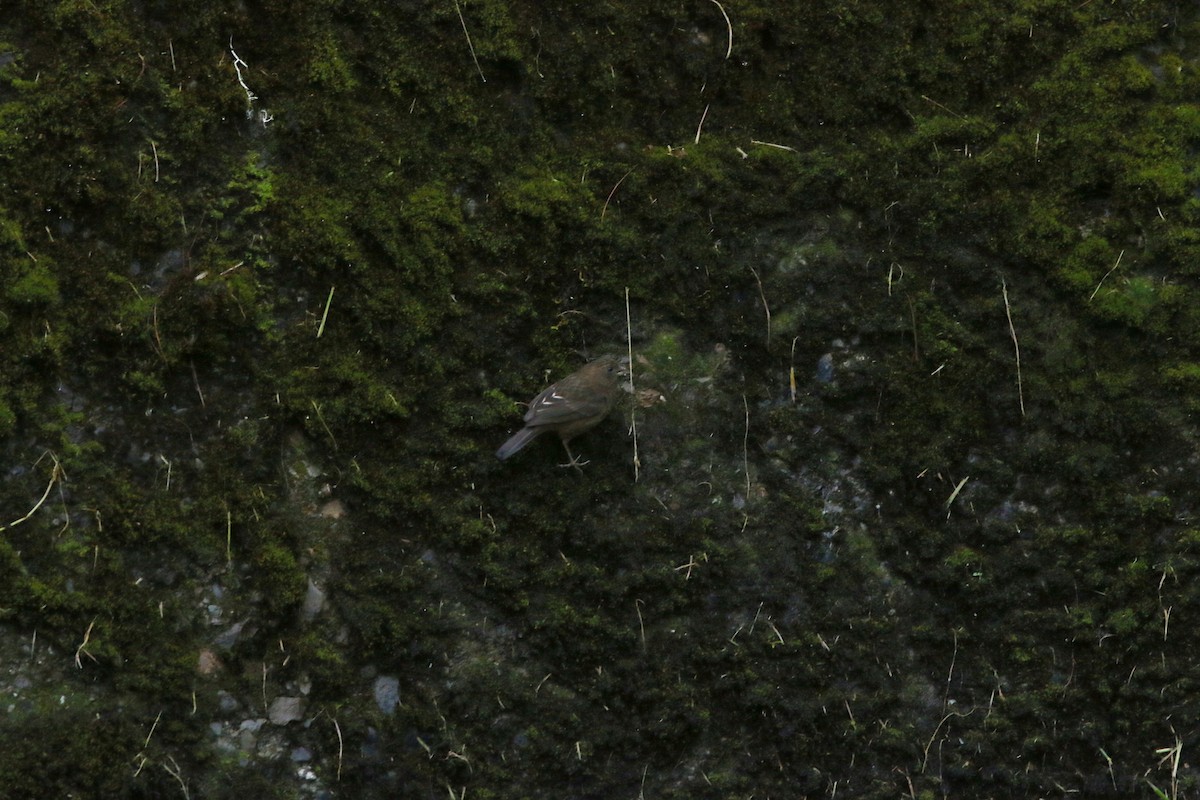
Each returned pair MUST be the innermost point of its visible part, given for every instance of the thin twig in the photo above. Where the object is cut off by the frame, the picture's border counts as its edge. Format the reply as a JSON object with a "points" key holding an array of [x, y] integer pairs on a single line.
{"points": [[746, 447], [82, 649], [931, 101], [325, 315], [196, 383], [338, 728], [175, 772], [633, 408], [772, 144], [1110, 272], [950, 672], [728, 26], [1016, 345], [637, 606], [152, 727], [237, 66], [792, 370], [56, 473], [929, 744], [321, 418], [154, 329], [470, 46], [701, 125], [766, 308], [953, 495], [608, 199]]}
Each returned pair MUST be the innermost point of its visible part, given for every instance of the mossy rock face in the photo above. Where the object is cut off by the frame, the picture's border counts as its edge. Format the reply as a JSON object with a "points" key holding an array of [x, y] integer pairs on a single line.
{"points": [[900, 497]]}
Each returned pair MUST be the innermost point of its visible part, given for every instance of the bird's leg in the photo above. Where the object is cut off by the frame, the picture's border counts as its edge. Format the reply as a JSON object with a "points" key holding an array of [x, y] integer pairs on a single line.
{"points": [[573, 462]]}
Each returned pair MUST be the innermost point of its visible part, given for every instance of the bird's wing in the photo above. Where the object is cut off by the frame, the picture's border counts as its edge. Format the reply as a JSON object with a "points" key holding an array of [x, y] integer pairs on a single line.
{"points": [[552, 408]]}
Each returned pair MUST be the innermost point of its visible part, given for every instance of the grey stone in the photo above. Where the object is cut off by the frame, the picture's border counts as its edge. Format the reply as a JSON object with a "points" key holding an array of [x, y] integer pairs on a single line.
{"points": [[387, 693], [314, 601], [286, 709]]}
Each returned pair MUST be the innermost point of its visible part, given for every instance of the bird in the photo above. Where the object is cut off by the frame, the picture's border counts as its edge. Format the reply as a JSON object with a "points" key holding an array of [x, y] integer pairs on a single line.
{"points": [[569, 407]]}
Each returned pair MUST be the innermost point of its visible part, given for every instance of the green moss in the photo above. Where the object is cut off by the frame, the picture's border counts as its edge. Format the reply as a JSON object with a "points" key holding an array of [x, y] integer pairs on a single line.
{"points": [[1123, 622], [328, 68], [474, 231], [36, 285], [278, 576]]}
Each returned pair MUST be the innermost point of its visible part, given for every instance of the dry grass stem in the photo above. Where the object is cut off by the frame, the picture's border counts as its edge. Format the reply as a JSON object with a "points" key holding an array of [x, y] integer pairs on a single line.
{"points": [[891, 273], [608, 199], [933, 102], [1109, 761], [957, 488], [196, 383], [470, 46], [766, 308], [1173, 755], [950, 673], [82, 649], [1110, 272], [157, 338], [700, 127], [237, 65], [175, 772], [637, 606], [772, 144], [152, 727], [728, 27], [338, 728], [633, 407], [321, 418], [56, 473], [325, 314], [1012, 331], [792, 371], [929, 744], [746, 449]]}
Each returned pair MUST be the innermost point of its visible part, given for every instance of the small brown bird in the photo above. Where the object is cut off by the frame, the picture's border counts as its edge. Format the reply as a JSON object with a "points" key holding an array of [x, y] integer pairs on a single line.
{"points": [[573, 405]]}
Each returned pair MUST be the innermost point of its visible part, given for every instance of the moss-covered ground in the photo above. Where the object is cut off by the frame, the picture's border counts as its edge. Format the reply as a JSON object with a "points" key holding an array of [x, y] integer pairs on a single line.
{"points": [[914, 294]]}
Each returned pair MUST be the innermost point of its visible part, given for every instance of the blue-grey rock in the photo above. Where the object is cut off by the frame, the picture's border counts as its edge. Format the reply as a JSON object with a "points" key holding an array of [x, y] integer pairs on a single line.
{"points": [[286, 709], [387, 693], [314, 601], [825, 368]]}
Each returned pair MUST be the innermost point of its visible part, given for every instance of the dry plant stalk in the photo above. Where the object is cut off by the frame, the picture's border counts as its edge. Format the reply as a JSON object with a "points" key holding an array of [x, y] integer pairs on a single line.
{"points": [[1110, 272], [766, 308], [56, 473], [746, 449], [633, 408], [608, 200], [1012, 331], [728, 27], [792, 371], [700, 127], [954, 495], [470, 46], [325, 315]]}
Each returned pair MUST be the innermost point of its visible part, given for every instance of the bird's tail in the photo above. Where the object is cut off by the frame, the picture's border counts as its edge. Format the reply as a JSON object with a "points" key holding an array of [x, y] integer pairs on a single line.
{"points": [[516, 442]]}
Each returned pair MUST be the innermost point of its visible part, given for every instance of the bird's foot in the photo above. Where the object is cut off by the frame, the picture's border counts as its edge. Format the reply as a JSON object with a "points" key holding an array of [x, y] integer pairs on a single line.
{"points": [[576, 463]]}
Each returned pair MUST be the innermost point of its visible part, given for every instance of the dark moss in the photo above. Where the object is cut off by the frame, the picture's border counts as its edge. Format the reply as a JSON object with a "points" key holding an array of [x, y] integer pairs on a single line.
{"points": [[866, 551]]}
